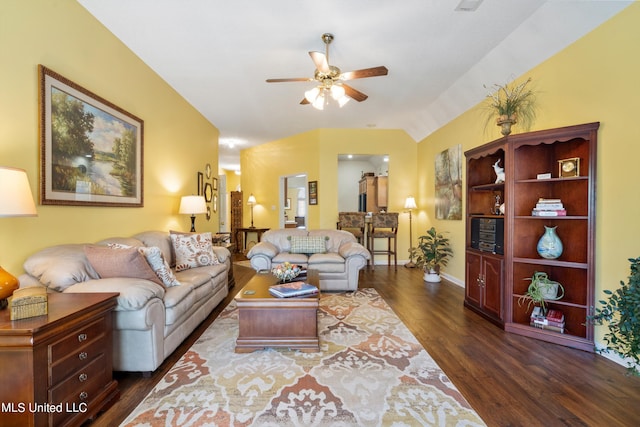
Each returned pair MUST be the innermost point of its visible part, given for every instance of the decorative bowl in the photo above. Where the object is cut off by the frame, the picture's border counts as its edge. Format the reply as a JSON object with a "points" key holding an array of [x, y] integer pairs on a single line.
{"points": [[286, 271]]}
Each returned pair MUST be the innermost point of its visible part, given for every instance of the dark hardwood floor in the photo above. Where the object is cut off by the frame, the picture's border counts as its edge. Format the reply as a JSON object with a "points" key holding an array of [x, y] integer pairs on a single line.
{"points": [[508, 379]]}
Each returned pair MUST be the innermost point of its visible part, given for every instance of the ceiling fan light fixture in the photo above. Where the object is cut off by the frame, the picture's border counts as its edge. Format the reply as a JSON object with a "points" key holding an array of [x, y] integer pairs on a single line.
{"points": [[319, 101], [337, 92], [312, 94]]}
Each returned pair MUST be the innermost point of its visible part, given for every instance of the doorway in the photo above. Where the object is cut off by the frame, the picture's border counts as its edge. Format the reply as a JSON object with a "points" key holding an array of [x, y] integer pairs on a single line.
{"points": [[293, 201]]}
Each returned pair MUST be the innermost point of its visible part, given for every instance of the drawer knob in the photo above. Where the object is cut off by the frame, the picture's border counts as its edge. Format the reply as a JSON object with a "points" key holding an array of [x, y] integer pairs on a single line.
{"points": [[83, 395], [82, 337], [82, 377], [83, 355]]}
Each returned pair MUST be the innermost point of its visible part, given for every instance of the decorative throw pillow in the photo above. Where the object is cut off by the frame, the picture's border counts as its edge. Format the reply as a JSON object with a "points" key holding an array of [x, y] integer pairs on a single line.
{"points": [[156, 260], [308, 244], [126, 262], [193, 250]]}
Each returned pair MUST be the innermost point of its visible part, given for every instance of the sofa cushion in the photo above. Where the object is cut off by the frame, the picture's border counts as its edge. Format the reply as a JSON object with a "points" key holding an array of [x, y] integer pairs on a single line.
{"points": [[59, 267], [193, 250], [134, 293], [161, 240], [156, 260], [330, 262], [280, 237], [335, 238], [299, 259], [308, 244], [120, 262], [177, 301]]}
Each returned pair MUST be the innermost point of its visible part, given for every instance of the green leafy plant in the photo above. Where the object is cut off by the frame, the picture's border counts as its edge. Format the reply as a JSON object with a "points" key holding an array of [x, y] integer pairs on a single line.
{"points": [[621, 313], [512, 102], [540, 290], [433, 251]]}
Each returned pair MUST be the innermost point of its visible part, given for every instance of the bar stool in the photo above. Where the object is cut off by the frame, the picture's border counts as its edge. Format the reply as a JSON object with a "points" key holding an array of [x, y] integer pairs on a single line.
{"points": [[352, 222], [384, 226]]}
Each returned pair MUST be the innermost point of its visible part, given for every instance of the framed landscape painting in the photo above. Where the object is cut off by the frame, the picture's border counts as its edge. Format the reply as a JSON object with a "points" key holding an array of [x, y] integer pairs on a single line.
{"points": [[91, 150]]}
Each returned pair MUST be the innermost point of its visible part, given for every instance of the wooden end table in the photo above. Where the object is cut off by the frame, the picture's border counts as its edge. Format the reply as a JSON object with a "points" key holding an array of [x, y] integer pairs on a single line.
{"points": [[267, 321], [56, 368]]}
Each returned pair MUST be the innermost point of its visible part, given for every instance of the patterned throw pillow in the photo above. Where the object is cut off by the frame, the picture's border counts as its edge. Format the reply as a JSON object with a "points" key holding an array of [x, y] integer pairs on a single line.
{"points": [[193, 250], [308, 244], [157, 262]]}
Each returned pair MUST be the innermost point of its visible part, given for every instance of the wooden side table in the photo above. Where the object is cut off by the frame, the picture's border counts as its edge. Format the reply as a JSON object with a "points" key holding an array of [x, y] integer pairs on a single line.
{"points": [[246, 230], [57, 368]]}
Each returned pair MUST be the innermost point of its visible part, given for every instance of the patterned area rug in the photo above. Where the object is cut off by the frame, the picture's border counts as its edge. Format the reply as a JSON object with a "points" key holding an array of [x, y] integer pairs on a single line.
{"points": [[371, 371]]}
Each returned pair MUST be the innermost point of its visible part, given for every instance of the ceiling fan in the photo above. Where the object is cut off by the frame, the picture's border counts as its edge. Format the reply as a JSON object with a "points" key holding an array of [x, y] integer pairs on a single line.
{"points": [[330, 80]]}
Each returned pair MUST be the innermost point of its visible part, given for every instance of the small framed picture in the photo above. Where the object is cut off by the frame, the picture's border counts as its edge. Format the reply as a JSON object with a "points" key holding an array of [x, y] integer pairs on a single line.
{"points": [[200, 183], [313, 192], [287, 204], [215, 184], [569, 167]]}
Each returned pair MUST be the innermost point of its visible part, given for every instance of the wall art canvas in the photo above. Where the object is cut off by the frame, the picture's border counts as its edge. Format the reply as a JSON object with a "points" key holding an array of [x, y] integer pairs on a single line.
{"points": [[91, 150], [448, 182]]}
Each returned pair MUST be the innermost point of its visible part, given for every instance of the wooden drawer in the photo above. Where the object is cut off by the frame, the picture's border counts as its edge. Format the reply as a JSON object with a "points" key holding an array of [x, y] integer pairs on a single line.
{"points": [[79, 381], [75, 339], [75, 359]]}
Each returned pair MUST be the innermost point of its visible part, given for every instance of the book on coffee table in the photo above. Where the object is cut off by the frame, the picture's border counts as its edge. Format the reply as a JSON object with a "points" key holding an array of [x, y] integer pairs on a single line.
{"points": [[292, 289]]}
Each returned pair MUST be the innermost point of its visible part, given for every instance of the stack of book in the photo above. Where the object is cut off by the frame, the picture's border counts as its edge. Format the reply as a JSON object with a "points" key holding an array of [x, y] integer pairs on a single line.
{"points": [[553, 321], [549, 207], [292, 289]]}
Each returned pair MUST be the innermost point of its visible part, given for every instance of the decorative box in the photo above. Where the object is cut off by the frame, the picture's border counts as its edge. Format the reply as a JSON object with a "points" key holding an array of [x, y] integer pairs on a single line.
{"points": [[28, 302]]}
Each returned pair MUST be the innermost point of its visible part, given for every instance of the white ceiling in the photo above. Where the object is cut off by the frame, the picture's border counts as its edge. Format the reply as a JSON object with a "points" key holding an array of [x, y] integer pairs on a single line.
{"points": [[217, 55]]}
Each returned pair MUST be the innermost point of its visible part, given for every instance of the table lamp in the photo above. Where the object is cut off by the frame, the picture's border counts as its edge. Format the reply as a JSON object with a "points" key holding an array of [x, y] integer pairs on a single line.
{"points": [[251, 201], [410, 204], [193, 205], [17, 200]]}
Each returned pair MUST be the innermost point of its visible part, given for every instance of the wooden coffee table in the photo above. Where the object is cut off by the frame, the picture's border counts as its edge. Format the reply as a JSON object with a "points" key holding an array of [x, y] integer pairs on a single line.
{"points": [[267, 321]]}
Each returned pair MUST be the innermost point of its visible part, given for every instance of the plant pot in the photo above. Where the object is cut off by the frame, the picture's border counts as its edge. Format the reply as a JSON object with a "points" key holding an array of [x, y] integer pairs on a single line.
{"points": [[505, 123], [549, 291], [431, 276]]}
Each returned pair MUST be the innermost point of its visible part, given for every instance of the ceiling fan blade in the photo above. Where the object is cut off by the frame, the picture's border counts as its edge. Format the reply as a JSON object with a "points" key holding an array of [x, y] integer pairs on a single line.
{"points": [[304, 101], [353, 93], [293, 79], [367, 72], [320, 59]]}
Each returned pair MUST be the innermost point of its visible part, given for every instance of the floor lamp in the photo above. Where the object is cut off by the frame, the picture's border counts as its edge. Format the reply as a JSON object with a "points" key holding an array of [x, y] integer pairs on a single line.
{"points": [[410, 204]]}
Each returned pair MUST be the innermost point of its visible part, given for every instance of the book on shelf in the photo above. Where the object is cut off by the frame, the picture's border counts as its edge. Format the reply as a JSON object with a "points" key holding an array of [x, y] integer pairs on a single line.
{"points": [[544, 200], [555, 315], [547, 327], [549, 206], [546, 212], [292, 289]]}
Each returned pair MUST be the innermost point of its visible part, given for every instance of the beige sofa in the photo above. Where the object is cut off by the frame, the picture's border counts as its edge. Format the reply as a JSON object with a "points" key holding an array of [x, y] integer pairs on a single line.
{"points": [[152, 317], [337, 255]]}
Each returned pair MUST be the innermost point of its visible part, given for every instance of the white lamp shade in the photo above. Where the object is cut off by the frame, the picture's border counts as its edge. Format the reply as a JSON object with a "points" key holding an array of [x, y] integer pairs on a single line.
{"points": [[191, 205], [15, 193], [410, 203], [251, 200]]}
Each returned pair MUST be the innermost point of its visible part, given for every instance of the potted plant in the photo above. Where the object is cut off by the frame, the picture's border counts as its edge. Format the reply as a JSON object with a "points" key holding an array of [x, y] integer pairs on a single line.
{"points": [[433, 251], [511, 104], [540, 290], [621, 312]]}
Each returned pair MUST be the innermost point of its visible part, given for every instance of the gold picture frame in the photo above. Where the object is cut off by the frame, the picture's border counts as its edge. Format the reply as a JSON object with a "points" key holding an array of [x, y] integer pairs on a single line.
{"points": [[95, 165]]}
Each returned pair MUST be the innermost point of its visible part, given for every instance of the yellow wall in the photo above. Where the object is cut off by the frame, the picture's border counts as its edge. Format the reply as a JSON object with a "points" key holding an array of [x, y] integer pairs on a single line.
{"points": [[595, 79], [316, 154], [64, 37]]}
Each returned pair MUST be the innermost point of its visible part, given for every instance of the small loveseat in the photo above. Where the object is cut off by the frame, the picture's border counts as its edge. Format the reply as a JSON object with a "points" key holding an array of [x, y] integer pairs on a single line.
{"points": [[168, 284], [335, 254]]}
